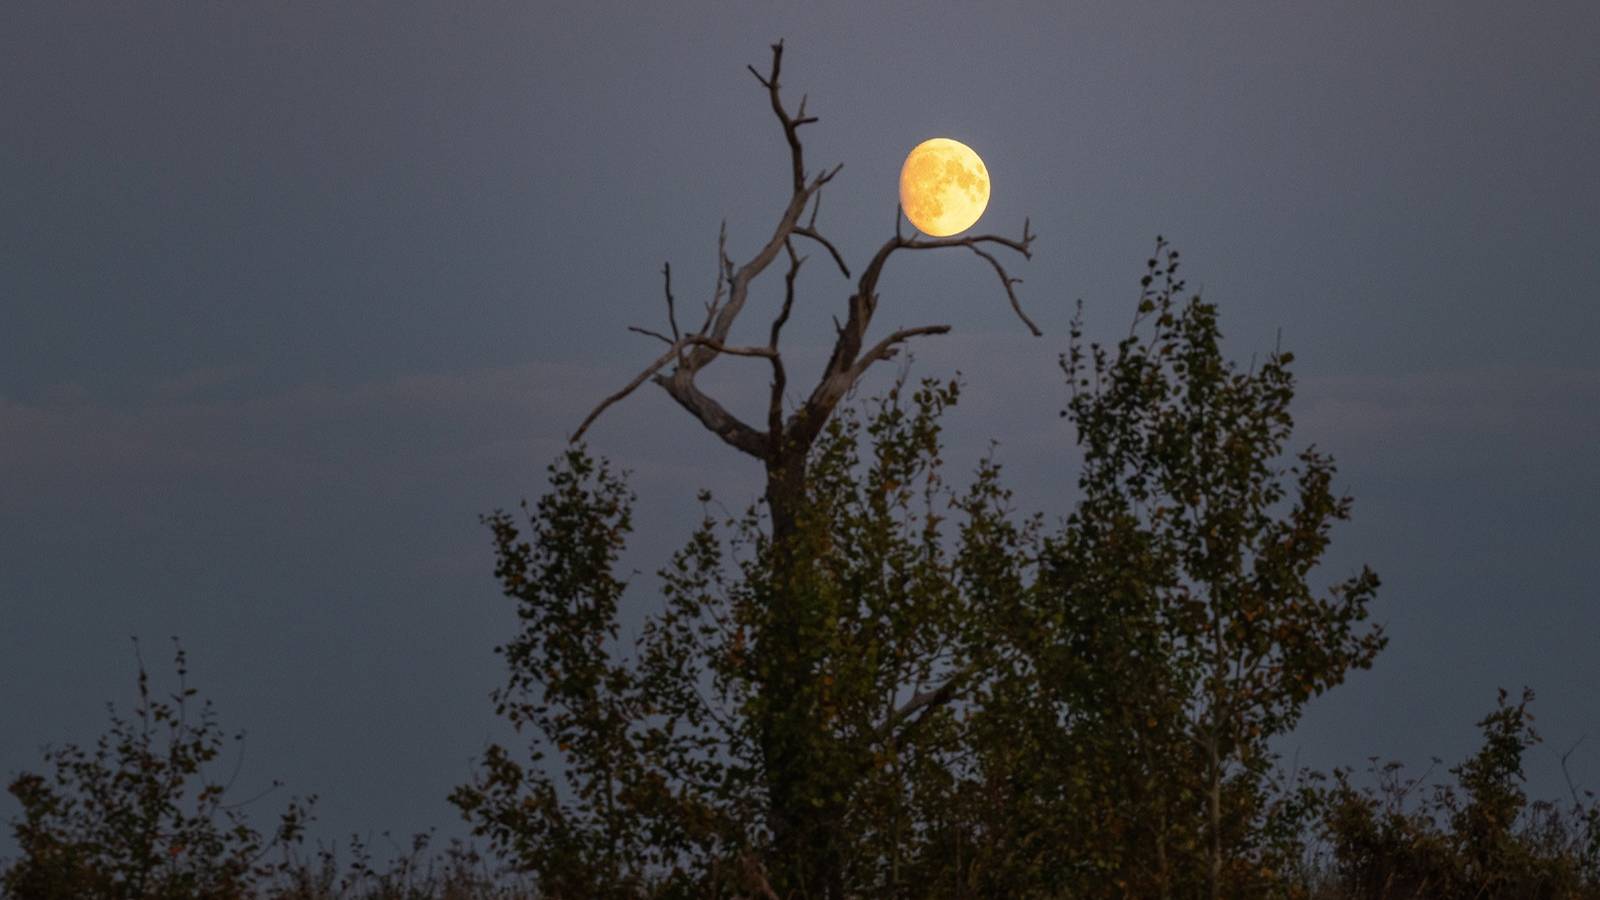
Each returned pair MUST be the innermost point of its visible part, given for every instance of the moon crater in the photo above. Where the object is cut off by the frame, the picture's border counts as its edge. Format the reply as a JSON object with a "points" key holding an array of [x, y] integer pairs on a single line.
{"points": [[944, 187]]}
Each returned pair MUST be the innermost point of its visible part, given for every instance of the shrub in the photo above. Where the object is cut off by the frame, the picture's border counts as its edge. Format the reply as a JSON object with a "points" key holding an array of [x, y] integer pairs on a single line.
{"points": [[139, 814], [1479, 838]]}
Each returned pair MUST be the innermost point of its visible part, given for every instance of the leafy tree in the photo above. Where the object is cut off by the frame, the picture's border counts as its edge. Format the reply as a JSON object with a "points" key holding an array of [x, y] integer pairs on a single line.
{"points": [[876, 685], [802, 805], [1477, 838], [998, 710], [665, 789], [1162, 636], [139, 816], [1191, 632]]}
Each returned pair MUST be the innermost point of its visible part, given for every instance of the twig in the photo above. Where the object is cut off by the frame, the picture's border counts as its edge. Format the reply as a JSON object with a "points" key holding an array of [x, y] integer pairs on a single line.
{"points": [[812, 233], [1023, 246], [648, 333], [1571, 788], [672, 316], [663, 359], [848, 363], [791, 126], [639, 379], [885, 349], [927, 701]]}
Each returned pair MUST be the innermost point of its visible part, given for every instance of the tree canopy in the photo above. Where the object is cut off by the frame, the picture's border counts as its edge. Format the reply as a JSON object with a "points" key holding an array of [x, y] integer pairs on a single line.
{"points": [[973, 703]]}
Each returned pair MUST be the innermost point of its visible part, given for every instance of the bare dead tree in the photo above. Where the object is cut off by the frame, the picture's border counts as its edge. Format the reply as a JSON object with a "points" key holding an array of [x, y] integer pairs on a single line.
{"points": [[782, 444], [686, 354]]}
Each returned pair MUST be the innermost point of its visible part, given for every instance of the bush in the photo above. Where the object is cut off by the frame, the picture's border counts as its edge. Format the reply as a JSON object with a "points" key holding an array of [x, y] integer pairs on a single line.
{"points": [[139, 815], [1479, 838], [412, 873]]}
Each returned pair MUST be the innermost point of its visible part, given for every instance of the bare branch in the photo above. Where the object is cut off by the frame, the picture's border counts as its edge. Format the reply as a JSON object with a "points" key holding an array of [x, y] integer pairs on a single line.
{"points": [[681, 387], [1571, 789], [663, 359], [795, 262], [885, 349], [810, 229], [655, 334], [1023, 246], [779, 378], [724, 275], [1007, 281], [672, 315], [923, 703], [739, 284], [846, 365], [812, 233], [732, 290], [639, 379], [718, 346], [790, 125], [721, 319]]}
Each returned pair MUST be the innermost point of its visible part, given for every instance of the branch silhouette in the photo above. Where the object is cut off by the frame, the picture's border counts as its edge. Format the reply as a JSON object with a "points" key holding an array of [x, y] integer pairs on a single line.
{"points": [[687, 354]]}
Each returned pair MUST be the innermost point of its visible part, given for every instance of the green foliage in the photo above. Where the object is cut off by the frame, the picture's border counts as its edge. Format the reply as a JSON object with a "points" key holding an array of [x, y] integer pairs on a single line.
{"points": [[1189, 632], [139, 816], [665, 785], [413, 872], [1480, 838], [949, 699]]}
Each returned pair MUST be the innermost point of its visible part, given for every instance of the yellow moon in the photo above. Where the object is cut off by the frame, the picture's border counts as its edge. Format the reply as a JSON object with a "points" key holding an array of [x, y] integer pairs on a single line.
{"points": [[944, 187]]}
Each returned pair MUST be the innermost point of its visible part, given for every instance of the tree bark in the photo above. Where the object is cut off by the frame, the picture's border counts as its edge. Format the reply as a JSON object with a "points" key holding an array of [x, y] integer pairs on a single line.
{"points": [[804, 814], [806, 785], [1214, 816]]}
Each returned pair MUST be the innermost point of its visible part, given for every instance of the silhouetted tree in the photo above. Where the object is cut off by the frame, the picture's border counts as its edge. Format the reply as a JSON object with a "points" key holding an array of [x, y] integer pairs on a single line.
{"points": [[1183, 631], [140, 816], [801, 810], [1404, 839], [876, 685]]}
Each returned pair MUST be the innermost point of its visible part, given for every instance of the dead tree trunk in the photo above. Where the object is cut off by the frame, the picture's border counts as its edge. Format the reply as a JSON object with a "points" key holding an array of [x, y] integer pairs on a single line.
{"points": [[804, 857], [801, 849]]}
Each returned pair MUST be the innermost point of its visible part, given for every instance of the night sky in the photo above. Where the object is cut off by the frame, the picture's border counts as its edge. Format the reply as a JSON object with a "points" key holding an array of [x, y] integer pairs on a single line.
{"points": [[291, 293]]}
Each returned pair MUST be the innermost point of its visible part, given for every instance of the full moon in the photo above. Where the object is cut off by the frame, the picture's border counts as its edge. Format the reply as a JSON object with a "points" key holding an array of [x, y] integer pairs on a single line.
{"points": [[944, 187]]}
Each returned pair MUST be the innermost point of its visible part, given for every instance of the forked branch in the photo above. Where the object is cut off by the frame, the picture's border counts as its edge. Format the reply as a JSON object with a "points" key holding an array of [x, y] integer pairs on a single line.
{"points": [[975, 244], [688, 353], [791, 124], [923, 702], [661, 361], [692, 352], [848, 363], [780, 379], [886, 348]]}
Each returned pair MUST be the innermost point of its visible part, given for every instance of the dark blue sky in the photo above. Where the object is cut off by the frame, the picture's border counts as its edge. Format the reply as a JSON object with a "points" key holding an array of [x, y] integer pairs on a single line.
{"points": [[290, 293]]}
